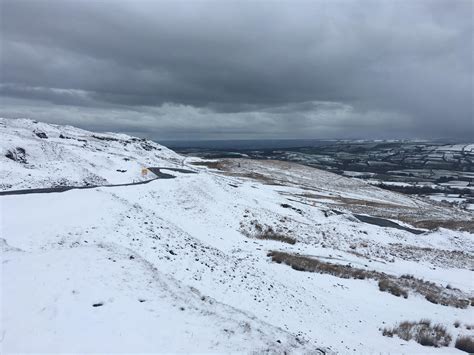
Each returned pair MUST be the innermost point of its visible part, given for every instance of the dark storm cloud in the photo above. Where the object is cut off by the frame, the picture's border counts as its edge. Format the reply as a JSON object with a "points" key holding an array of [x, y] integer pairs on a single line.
{"points": [[242, 69]]}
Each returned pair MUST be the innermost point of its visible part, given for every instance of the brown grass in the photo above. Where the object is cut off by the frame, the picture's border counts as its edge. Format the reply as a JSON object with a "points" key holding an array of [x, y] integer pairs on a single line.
{"points": [[429, 215], [387, 285], [350, 201], [210, 164], [267, 233], [398, 286], [303, 263], [422, 332], [465, 343], [405, 214], [466, 226], [270, 234], [264, 179]]}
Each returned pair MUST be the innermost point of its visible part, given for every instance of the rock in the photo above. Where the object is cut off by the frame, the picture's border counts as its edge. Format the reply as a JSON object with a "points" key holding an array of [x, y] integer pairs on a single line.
{"points": [[41, 135], [18, 154]]}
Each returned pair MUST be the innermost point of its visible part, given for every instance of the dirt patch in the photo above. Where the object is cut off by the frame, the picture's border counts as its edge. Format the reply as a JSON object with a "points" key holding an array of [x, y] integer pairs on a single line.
{"points": [[210, 164], [228, 167], [424, 213]]}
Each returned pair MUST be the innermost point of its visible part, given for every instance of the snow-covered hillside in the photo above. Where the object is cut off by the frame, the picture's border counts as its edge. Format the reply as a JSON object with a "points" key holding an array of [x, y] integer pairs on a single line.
{"points": [[36, 154], [242, 256]]}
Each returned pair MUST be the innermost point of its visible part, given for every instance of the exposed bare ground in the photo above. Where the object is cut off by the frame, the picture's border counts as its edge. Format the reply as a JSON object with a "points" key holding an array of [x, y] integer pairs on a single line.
{"points": [[210, 164], [420, 213], [441, 216]]}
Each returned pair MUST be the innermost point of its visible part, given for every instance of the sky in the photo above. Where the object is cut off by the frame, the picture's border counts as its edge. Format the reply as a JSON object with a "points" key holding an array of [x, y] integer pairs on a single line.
{"points": [[242, 69]]}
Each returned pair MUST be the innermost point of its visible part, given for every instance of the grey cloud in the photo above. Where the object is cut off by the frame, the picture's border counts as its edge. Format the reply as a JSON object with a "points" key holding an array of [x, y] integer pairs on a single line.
{"points": [[52, 95], [266, 69], [188, 122]]}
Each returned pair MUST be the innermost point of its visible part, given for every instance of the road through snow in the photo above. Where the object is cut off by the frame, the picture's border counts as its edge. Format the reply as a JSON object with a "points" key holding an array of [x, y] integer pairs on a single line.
{"points": [[154, 170]]}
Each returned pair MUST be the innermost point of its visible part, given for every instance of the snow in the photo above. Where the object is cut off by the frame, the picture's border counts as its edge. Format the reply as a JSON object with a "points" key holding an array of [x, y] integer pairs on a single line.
{"points": [[171, 265], [100, 300], [77, 159]]}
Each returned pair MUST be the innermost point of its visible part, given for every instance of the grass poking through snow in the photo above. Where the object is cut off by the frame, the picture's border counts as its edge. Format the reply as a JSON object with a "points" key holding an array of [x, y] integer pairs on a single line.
{"points": [[423, 332], [398, 286], [259, 231], [465, 343]]}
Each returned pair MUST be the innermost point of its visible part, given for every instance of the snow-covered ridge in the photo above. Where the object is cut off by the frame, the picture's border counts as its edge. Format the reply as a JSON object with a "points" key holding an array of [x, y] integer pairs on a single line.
{"points": [[36, 154]]}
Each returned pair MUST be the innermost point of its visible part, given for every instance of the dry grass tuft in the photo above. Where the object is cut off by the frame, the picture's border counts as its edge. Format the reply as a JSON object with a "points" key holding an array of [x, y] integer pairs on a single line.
{"points": [[465, 343], [422, 332], [259, 231], [303, 263], [398, 286], [387, 285], [270, 234]]}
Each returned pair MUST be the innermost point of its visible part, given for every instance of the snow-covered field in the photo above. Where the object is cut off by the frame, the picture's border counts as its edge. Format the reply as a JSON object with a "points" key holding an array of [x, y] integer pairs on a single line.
{"points": [[176, 264]]}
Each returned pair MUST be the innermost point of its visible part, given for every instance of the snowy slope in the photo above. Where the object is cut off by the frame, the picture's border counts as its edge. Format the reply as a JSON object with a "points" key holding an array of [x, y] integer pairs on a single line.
{"points": [[98, 299], [50, 155], [173, 265]]}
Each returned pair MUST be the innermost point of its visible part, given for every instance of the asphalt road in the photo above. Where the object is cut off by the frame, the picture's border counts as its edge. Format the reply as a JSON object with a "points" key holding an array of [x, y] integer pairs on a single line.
{"points": [[382, 222], [154, 170]]}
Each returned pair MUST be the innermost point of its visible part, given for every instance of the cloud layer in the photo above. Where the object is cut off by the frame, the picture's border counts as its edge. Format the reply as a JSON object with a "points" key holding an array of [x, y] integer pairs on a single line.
{"points": [[242, 69]]}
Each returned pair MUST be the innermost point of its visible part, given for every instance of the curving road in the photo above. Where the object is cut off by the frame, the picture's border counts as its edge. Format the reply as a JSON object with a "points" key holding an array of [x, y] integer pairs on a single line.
{"points": [[154, 170], [382, 222]]}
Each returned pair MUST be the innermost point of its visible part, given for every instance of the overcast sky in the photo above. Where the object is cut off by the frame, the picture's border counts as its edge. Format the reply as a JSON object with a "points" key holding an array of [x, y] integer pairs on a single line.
{"points": [[242, 69]]}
